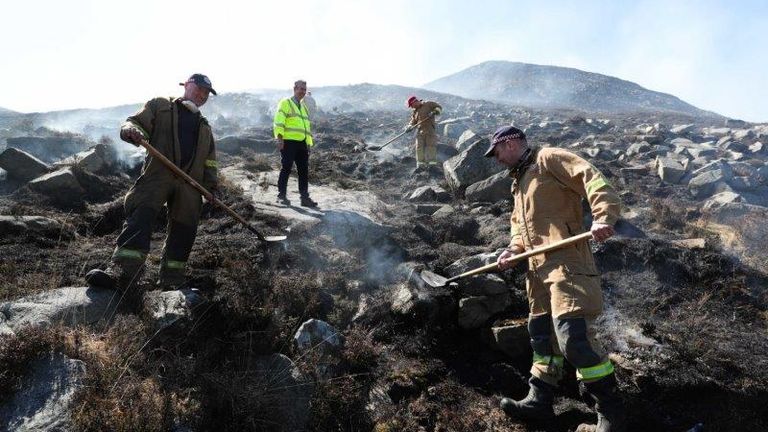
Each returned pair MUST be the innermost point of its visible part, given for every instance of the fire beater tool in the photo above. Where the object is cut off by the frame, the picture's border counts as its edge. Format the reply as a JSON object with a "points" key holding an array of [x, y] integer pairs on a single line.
{"points": [[208, 196]]}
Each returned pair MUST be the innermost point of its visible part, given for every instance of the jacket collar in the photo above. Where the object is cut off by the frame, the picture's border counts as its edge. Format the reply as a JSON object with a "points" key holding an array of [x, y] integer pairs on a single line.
{"points": [[526, 160], [181, 100]]}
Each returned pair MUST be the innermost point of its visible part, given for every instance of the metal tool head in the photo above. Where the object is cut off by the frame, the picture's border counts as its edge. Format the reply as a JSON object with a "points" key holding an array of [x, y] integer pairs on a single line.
{"points": [[263, 238], [434, 280], [373, 148]]}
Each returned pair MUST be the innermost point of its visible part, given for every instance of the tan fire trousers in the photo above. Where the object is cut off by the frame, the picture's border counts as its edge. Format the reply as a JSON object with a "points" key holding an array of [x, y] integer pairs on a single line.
{"points": [[426, 149], [563, 308]]}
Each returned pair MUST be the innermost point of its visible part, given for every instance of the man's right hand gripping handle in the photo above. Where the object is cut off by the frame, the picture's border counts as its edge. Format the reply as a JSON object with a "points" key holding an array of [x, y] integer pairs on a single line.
{"points": [[131, 134], [505, 259]]}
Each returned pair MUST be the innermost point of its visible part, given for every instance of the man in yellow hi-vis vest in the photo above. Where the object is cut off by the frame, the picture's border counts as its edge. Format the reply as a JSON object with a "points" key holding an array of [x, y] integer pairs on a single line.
{"points": [[293, 132]]}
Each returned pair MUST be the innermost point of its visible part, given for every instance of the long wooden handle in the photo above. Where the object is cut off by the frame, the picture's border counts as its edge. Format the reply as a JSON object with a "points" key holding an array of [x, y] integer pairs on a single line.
{"points": [[482, 269], [208, 196], [524, 255], [404, 132]]}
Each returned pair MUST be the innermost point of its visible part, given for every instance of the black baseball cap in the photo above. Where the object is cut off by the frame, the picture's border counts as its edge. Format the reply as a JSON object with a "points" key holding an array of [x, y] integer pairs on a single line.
{"points": [[202, 81], [502, 134]]}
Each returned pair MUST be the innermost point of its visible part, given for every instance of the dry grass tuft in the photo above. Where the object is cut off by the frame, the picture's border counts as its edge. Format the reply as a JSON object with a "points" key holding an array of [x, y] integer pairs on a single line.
{"points": [[122, 392], [258, 163], [667, 217], [339, 405], [361, 352], [17, 351], [16, 282]]}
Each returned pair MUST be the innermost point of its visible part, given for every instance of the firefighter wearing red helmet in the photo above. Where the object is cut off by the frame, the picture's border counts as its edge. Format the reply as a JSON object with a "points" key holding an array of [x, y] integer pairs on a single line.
{"points": [[423, 118]]}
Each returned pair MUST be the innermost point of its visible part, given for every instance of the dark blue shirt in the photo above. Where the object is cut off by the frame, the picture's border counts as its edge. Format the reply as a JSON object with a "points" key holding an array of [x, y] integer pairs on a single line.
{"points": [[189, 129]]}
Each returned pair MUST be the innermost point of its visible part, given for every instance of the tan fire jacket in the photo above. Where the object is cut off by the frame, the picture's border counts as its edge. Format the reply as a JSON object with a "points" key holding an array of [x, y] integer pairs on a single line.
{"points": [[311, 105], [158, 122], [548, 208], [428, 127]]}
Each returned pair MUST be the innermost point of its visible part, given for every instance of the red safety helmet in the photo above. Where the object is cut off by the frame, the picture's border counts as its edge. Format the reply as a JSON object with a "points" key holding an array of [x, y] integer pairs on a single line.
{"points": [[411, 100]]}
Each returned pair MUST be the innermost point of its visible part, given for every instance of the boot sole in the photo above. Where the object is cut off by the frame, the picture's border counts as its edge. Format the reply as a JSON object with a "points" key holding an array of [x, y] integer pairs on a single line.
{"points": [[545, 417], [99, 279]]}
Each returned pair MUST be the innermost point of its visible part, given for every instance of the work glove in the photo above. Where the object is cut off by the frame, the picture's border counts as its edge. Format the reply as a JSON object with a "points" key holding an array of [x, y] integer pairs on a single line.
{"points": [[409, 128], [131, 135]]}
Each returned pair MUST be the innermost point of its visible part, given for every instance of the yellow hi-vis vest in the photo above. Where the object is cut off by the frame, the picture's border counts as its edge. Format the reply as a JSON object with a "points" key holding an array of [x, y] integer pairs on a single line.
{"points": [[292, 122]]}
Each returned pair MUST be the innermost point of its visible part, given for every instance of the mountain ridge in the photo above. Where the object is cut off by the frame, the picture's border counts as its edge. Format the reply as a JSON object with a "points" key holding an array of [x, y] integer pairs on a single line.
{"points": [[544, 87], [493, 84]]}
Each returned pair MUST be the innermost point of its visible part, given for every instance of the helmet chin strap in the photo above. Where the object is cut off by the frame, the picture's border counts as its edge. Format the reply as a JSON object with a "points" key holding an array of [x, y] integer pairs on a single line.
{"points": [[190, 105]]}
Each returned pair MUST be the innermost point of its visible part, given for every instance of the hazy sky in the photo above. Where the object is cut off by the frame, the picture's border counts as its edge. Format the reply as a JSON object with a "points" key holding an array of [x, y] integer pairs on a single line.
{"points": [[87, 54]]}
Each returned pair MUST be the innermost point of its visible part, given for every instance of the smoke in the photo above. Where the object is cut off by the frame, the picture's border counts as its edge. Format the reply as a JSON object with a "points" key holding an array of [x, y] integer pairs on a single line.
{"points": [[232, 112], [127, 155], [383, 260], [394, 150], [353, 231], [624, 333]]}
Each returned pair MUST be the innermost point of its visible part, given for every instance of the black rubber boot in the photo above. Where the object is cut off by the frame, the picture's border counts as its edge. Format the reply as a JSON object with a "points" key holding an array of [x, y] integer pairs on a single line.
{"points": [[171, 279], [307, 202], [282, 199], [611, 416], [98, 278], [117, 276], [536, 406]]}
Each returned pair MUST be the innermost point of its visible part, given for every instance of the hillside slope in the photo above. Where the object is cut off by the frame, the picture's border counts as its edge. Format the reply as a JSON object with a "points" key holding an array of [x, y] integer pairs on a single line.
{"points": [[539, 86]]}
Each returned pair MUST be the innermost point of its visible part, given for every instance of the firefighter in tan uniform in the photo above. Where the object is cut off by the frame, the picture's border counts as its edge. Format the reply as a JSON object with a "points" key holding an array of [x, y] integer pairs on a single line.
{"points": [[423, 115], [311, 103], [176, 128], [563, 286]]}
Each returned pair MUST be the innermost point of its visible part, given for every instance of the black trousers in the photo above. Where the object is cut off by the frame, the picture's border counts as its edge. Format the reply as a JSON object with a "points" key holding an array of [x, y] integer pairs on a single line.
{"points": [[294, 151], [137, 232]]}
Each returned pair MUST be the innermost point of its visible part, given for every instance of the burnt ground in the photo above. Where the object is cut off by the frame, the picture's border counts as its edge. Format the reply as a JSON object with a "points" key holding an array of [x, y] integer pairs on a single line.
{"points": [[688, 326]]}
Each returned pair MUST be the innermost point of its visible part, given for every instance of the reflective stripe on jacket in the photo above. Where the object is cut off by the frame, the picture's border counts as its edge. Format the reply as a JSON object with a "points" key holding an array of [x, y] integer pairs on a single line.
{"points": [[548, 208], [292, 121]]}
